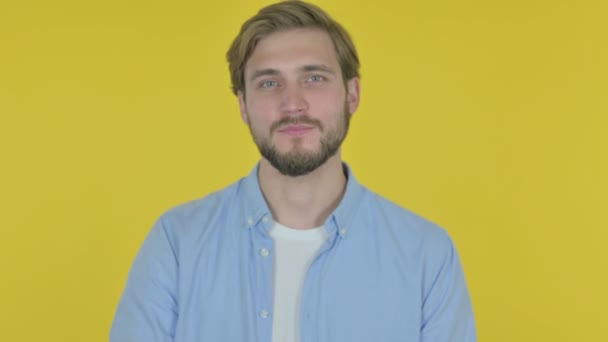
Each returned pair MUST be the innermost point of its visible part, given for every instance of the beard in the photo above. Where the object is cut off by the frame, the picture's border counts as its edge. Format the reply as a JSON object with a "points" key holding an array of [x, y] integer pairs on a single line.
{"points": [[298, 162]]}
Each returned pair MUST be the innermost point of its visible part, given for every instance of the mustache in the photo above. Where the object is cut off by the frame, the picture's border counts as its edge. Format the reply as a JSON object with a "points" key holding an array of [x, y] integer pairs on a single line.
{"points": [[299, 120]]}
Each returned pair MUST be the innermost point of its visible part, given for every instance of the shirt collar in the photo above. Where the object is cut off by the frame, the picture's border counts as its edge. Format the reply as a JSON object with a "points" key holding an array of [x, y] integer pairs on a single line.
{"points": [[252, 199], [256, 209], [344, 214]]}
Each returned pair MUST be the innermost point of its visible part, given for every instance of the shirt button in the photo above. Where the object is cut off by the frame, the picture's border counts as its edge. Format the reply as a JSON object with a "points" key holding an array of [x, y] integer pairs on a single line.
{"points": [[342, 232], [264, 314], [264, 252], [265, 219], [250, 221]]}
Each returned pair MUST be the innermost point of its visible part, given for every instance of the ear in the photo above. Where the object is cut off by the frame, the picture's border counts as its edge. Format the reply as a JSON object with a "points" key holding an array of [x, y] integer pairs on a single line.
{"points": [[352, 94], [243, 107]]}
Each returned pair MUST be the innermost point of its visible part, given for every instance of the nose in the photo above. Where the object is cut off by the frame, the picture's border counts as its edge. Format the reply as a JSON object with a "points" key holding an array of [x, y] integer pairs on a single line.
{"points": [[293, 102]]}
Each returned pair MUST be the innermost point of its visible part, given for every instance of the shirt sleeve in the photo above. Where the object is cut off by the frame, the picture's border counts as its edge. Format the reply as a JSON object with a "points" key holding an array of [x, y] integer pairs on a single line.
{"points": [[147, 311], [447, 313]]}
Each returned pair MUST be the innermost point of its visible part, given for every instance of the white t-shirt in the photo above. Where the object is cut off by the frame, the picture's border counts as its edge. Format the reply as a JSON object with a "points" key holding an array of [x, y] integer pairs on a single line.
{"points": [[294, 251]]}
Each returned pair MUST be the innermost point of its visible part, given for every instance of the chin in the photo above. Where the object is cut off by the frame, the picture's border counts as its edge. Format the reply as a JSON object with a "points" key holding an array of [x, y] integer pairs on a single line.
{"points": [[300, 149]]}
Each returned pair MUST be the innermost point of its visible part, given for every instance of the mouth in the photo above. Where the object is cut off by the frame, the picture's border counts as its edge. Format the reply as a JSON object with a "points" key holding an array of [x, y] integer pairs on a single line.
{"points": [[296, 130]]}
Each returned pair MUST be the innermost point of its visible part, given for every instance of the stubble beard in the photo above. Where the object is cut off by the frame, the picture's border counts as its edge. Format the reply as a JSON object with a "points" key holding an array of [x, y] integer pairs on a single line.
{"points": [[298, 162]]}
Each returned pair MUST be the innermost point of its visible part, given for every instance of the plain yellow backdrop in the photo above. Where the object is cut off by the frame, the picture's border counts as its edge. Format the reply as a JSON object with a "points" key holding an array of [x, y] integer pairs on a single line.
{"points": [[487, 117]]}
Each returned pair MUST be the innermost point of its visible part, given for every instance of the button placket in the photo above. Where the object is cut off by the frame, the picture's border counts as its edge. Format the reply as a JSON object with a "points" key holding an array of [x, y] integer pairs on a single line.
{"points": [[262, 249]]}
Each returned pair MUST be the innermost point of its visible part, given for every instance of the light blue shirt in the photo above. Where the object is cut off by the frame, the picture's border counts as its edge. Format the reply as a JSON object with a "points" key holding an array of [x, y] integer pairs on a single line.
{"points": [[205, 273]]}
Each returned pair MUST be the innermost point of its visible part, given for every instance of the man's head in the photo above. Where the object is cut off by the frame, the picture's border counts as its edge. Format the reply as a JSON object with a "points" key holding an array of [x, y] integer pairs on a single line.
{"points": [[295, 72], [284, 16]]}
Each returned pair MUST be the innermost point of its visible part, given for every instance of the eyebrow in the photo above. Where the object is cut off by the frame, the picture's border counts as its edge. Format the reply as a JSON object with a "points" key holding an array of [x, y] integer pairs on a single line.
{"points": [[318, 67], [263, 72], [305, 68]]}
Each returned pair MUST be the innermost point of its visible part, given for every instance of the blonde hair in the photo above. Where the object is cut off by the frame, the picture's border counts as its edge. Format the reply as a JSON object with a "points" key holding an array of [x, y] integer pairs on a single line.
{"points": [[286, 15]]}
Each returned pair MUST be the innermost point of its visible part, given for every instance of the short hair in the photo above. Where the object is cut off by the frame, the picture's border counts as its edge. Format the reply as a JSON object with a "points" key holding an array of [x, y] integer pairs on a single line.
{"points": [[285, 15]]}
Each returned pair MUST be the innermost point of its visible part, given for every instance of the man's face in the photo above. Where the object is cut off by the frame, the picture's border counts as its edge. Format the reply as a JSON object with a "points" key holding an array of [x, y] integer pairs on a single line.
{"points": [[296, 104]]}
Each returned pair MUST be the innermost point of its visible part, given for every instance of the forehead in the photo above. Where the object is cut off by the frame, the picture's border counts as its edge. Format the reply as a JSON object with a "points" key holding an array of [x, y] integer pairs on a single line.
{"points": [[288, 50]]}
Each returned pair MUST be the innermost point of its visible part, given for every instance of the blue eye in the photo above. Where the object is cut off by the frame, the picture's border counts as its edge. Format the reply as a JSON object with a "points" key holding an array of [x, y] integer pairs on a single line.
{"points": [[316, 78], [268, 84]]}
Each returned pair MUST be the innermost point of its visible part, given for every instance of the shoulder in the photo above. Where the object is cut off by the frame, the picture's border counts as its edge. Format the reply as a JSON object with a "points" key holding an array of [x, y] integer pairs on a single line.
{"points": [[197, 214], [405, 225]]}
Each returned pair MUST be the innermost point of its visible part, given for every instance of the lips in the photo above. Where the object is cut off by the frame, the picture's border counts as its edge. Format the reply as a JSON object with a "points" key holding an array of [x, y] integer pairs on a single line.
{"points": [[296, 130]]}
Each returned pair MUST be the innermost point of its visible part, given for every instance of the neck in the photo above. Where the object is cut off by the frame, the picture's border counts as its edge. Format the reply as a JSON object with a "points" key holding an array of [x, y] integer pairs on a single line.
{"points": [[303, 202]]}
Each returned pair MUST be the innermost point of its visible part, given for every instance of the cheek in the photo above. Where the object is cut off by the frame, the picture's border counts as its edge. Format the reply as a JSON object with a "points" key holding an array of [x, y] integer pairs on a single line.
{"points": [[262, 105], [328, 102], [260, 117]]}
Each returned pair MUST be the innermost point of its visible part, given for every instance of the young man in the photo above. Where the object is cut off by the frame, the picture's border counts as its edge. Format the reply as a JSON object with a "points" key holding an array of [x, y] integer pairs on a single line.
{"points": [[298, 250]]}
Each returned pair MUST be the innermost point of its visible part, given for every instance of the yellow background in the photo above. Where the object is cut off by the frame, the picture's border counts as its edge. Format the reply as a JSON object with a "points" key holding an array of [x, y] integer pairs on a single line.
{"points": [[488, 117]]}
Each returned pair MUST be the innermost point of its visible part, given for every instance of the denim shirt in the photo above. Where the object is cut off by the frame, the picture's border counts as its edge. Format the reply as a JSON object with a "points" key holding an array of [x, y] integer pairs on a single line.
{"points": [[205, 273]]}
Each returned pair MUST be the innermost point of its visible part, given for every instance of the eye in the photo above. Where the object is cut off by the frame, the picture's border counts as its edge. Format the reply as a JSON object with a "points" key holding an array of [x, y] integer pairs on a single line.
{"points": [[316, 78], [268, 84]]}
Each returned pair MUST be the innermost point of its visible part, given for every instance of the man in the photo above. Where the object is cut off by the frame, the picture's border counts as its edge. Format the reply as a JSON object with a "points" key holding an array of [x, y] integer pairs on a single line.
{"points": [[298, 250]]}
